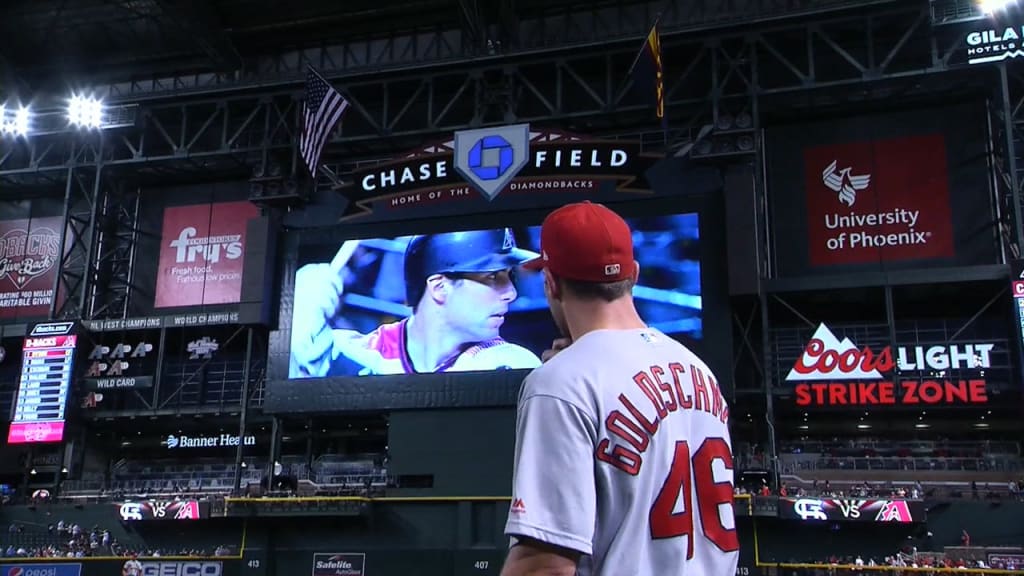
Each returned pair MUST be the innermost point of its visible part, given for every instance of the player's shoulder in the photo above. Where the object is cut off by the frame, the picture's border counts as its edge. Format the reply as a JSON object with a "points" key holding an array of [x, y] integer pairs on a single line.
{"points": [[566, 375]]}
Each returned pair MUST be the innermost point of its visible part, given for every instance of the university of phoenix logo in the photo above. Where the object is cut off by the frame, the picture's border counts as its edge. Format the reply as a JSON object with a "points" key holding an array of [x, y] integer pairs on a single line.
{"points": [[844, 183], [489, 158]]}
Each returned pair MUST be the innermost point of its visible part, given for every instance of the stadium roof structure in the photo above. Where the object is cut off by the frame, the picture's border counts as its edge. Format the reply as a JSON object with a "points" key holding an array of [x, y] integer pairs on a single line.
{"points": [[128, 49]]}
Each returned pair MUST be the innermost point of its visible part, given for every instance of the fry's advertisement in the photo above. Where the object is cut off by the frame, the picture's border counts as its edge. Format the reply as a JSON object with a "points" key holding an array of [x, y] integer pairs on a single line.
{"points": [[201, 254], [833, 372]]}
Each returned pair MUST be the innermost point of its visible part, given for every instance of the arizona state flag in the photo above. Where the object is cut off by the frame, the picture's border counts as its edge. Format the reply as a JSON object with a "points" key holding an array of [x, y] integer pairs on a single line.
{"points": [[649, 74]]}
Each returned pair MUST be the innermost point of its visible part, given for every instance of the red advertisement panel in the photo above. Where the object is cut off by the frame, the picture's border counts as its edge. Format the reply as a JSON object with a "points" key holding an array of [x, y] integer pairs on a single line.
{"points": [[29, 262], [33, 432], [878, 201], [201, 254]]}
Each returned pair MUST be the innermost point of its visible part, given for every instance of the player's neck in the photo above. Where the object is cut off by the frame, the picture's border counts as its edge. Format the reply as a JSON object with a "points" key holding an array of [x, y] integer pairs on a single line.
{"points": [[428, 347], [584, 316]]}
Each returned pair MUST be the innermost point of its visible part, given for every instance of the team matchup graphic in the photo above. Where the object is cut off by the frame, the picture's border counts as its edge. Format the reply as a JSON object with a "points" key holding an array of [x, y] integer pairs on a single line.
{"points": [[864, 205], [838, 373], [848, 509], [491, 162]]}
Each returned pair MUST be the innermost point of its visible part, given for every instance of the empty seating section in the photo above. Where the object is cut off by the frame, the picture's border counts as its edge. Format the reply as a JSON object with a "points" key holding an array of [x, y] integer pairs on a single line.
{"points": [[910, 456], [216, 476], [349, 471]]}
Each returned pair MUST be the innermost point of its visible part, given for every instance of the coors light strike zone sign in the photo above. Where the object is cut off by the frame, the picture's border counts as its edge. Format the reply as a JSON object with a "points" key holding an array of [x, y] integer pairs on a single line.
{"points": [[831, 372]]}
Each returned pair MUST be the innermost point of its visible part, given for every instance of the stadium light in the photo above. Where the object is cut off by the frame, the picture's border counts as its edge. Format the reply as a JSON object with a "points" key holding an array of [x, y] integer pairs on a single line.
{"points": [[15, 122], [85, 112], [992, 6]]}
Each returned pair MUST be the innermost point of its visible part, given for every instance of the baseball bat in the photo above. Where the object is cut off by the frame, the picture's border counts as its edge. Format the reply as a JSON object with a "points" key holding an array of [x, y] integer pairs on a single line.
{"points": [[344, 254]]}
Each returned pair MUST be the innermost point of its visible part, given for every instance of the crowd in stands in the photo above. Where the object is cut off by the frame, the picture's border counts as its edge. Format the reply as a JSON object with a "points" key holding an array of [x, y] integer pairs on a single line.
{"points": [[70, 540], [953, 557]]}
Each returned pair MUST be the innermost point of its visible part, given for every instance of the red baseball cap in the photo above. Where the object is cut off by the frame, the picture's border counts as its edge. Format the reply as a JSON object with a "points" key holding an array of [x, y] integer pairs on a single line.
{"points": [[586, 242]]}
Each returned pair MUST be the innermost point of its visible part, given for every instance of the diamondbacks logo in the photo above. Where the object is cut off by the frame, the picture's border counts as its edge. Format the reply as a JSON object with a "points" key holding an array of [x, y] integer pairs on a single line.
{"points": [[833, 372], [895, 511], [844, 183], [490, 158]]}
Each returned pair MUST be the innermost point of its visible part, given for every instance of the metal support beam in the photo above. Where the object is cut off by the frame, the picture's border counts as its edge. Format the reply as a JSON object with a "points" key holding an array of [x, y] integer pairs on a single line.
{"points": [[83, 189], [246, 375], [197, 20], [710, 81], [558, 29], [116, 239]]}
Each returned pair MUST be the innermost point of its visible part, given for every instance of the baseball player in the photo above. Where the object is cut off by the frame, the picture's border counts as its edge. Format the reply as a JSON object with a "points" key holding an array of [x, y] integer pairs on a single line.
{"points": [[459, 285], [623, 461], [132, 566]]}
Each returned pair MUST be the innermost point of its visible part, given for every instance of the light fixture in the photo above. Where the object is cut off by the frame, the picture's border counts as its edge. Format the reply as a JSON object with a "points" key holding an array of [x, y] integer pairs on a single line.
{"points": [[993, 6], [14, 122], [803, 427], [85, 112], [922, 425], [864, 426]]}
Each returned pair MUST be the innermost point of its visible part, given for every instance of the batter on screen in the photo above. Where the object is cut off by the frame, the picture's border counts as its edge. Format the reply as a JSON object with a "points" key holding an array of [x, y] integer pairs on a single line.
{"points": [[623, 459], [459, 285]]}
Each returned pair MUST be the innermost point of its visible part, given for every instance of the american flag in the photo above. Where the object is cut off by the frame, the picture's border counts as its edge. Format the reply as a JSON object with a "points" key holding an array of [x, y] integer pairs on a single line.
{"points": [[321, 110]]}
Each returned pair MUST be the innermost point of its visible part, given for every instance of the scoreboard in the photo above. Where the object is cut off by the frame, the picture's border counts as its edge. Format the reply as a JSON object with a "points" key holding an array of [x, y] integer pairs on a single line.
{"points": [[1017, 289], [47, 358]]}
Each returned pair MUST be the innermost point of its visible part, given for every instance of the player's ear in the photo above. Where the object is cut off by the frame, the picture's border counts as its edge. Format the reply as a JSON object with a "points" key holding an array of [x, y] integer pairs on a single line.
{"points": [[636, 272], [551, 287], [437, 288]]}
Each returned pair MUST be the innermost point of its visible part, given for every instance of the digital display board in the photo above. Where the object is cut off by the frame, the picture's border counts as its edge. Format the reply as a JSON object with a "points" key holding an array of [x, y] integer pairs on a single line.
{"points": [[852, 509], [47, 361], [163, 510], [1017, 289], [459, 301]]}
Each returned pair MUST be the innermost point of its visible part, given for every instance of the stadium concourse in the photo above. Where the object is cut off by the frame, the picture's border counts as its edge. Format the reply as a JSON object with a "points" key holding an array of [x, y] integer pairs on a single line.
{"points": [[269, 281]]}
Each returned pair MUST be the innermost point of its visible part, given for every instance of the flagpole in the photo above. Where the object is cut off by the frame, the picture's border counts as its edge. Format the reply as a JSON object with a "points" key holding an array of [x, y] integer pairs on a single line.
{"points": [[636, 60]]}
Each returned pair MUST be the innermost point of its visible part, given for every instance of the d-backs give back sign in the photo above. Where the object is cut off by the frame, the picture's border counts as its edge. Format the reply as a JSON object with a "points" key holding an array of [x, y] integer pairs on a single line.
{"points": [[201, 254], [834, 372]]}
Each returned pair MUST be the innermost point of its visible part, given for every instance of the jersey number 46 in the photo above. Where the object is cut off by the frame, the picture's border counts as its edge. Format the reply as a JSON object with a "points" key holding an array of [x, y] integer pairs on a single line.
{"points": [[687, 476]]}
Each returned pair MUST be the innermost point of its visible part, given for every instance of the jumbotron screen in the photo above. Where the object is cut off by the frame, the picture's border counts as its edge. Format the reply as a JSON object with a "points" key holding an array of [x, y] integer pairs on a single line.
{"points": [[459, 301]]}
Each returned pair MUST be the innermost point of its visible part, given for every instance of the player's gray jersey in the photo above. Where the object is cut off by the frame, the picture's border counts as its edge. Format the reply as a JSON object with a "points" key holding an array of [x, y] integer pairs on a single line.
{"points": [[623, 454]]}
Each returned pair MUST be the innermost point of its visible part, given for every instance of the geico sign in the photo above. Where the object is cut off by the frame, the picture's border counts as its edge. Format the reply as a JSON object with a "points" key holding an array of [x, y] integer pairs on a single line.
{"points": [[182, 569], [834, 372]]}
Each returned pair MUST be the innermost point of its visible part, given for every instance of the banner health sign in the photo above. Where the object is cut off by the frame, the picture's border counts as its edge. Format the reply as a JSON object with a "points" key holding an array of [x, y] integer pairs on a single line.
{"points": [[201, 254], [904, 190], [834, 372], [481, 165]]}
